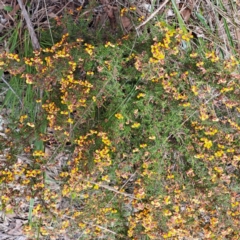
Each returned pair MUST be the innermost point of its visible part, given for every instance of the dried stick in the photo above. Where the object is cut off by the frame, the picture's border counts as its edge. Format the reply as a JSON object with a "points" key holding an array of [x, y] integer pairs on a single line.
{"points": [[12, 90], [110, 189], [35, 43], [152, 15]]}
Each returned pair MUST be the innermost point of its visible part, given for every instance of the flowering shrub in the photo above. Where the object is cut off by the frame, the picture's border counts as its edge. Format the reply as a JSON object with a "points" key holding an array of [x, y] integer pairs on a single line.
{"points": [[152, 134]]}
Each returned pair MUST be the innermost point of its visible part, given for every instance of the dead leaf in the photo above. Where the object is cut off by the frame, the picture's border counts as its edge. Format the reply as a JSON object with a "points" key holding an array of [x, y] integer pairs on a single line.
{"points": [[186, 10], [47, 152], [52, 15], [186, 13], [109, 11], [111, 16], [17, 230], [238, 37], [126, 23]]}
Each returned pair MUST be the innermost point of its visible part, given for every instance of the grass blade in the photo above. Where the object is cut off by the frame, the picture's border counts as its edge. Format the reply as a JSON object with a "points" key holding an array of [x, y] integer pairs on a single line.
{"points": [[182, 24]]}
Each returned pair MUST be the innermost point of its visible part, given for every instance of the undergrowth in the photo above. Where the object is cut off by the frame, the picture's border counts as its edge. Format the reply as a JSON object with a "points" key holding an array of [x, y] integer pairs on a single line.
{"points": [[136, 138]]}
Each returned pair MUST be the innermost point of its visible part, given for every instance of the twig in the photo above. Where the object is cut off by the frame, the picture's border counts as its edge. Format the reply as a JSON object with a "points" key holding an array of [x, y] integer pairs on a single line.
{"points": [[12, 90], [2, 93], [63, 8], [101, 227], [214, 96], [122, 187], [33, 36], [110, 189], [50, 31], [152, 15]]}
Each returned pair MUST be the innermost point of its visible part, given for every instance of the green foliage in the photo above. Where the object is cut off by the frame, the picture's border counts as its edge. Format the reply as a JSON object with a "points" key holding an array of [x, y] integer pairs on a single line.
{"points": [[148, 128]]}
